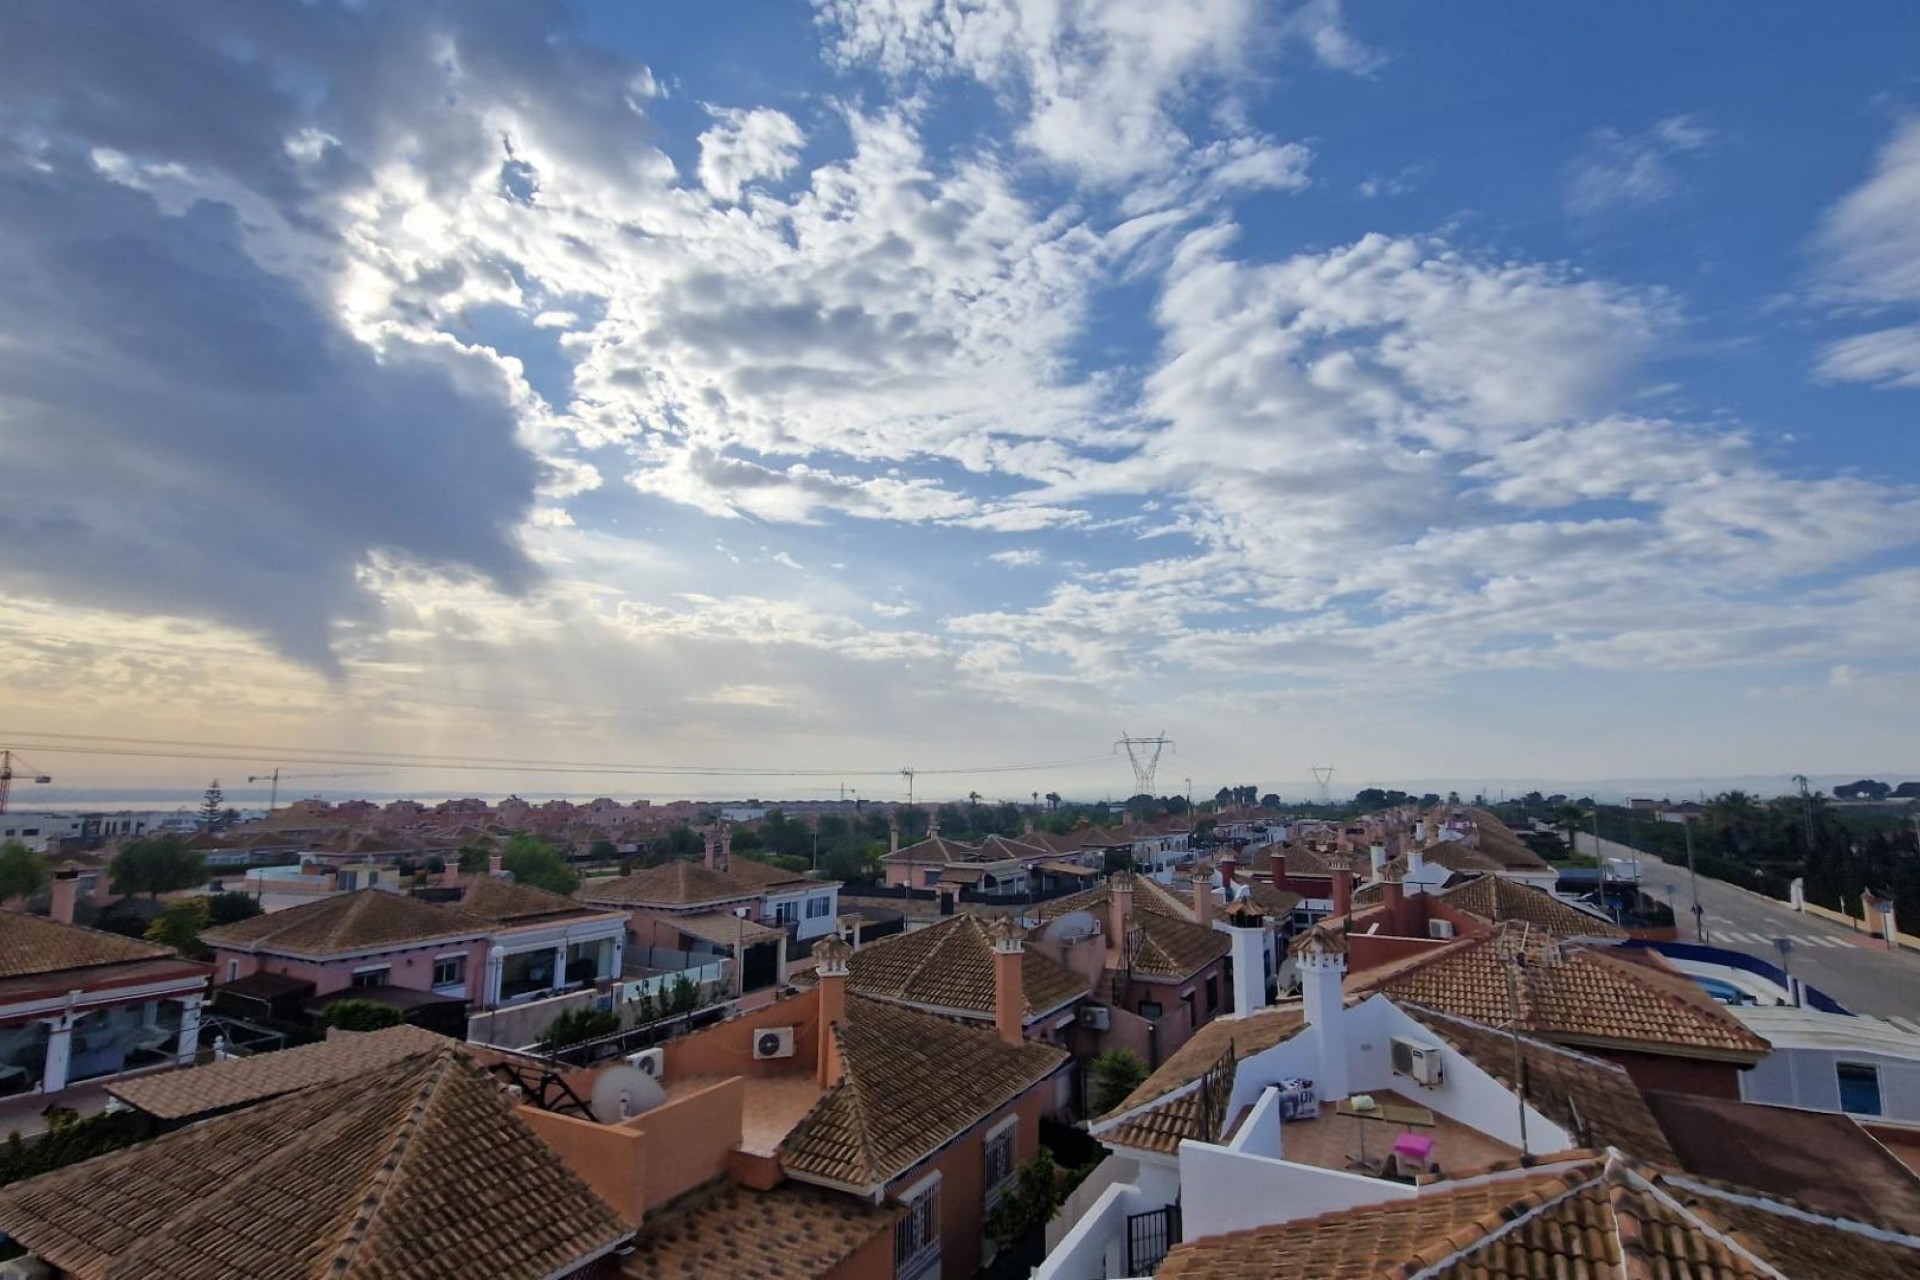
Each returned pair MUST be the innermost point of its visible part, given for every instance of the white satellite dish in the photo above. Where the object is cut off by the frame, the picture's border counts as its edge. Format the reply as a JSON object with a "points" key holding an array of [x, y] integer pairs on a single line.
{"points": [[1072, 925], [624, 1092]]}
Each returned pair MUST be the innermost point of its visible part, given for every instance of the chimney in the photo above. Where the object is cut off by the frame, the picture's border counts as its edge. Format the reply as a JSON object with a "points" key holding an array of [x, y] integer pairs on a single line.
{"points": [[1029, 824], [831, 954], [711, 851], [1228, 866], [1342, 888], [1009, 995], [933, 825], [1119, 908], [893, 835], [726, 848], [1393, 893], [1202, 898], [1416, 865], [495, 864], [1320, 958], [65, 890], [1277, 865], [1377, 854], [1249, 938]]}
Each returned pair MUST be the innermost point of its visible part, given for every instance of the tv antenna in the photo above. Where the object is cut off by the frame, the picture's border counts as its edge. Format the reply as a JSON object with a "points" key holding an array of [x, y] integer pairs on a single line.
{"points": [[1323, 774], [1144, 755]]}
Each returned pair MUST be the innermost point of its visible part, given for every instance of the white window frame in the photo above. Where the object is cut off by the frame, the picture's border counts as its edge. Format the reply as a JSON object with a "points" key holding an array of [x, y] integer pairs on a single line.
{"points": [[459, 957], [922, 1219], [363, 970], [1008, 1130], [819, 906]]}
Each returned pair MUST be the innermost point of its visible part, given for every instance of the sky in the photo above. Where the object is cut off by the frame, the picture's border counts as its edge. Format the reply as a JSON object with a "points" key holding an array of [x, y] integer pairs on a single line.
{"points": [[764, 398]]}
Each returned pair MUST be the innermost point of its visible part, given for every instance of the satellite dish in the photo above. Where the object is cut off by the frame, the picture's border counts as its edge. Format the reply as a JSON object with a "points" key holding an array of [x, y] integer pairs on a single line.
{"points": [[1072, 925], [624, 1092]]}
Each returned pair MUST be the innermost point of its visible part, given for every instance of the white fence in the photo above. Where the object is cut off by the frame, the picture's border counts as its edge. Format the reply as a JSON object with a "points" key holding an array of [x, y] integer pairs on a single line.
{"points": [[631, 989]]}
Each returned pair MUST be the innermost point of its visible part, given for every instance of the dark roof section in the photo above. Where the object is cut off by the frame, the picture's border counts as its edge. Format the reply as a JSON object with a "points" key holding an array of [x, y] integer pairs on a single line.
{"points": [[32, 945], [794, 1232], [680, 883], [949, 966], [1820, 1158], [364, 920], [504, 902]]}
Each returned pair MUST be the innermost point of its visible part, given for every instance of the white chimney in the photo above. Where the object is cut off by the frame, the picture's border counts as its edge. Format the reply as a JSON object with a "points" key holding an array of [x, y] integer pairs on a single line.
{"points": [[1378, 854], [1321, 959], [1248, 934]]}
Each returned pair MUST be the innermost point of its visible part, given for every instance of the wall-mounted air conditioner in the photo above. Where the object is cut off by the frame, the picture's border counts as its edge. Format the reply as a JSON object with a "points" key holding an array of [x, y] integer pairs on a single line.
{"points": [[1440, 928], [1095, 1017], [773, 1042], [651, 1061], [1418, 1061]]}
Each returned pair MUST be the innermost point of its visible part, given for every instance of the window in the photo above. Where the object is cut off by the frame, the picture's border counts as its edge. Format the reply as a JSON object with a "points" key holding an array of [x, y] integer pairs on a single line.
{"points": [[1000, 1160], [233, 970], [1149, 1009], [371, 977], [786, 912], [916, 1237], [1859, 1088], [1213, 994], [820, 906], [448, 970]]}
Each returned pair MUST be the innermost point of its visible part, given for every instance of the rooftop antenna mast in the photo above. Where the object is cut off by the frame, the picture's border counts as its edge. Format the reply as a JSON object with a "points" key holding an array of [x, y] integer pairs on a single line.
{"points": [[1323, 774], [908, 773], [1144, 755]]}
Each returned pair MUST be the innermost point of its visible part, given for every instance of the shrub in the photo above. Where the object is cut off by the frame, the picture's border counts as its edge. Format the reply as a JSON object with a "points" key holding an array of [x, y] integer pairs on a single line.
{"points": [[362, 1015], [577, 1025], [1116, 1073]]}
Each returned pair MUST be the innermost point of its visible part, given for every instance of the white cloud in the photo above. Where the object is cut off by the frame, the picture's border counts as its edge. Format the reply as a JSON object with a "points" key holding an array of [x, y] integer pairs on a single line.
{"points": [[744, 146], [1869, 245], [1022, 558], [1621, 170]]}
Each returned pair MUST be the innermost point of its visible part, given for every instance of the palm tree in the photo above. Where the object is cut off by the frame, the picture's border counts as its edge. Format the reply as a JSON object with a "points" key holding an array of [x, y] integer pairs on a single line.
{"points": [[1053, 799]]}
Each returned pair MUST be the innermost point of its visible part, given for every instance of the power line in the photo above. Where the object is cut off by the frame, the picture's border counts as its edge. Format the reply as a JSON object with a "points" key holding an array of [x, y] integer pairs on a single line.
{"points": [[187, 749]]}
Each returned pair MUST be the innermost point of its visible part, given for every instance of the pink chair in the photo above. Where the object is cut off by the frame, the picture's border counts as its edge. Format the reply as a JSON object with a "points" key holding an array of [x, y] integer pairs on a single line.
{"points": [[1412, 1154]]}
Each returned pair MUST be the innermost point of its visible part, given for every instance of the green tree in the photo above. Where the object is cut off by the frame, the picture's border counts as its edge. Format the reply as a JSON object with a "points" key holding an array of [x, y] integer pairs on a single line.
{"points": [[533, 861], [576, 1025], [476, 856], [230, 908], [1037, 1195], [603, 851], [361, 1015], [213, 807], [180, 926], [23, 872], [1116, 1073], [157, 865]]}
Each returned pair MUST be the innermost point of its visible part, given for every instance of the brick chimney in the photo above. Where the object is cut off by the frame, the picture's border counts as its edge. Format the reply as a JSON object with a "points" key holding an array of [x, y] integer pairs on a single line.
{"points": [[1392, 892], [1202, 898], [1277, 865], [1009, 994], [933, 825], [831, 955], [65, 891], [496, 864], [711, 851], [1228, 866], [893, 835], [1342, 888], [1119, 908], [726, 847]]}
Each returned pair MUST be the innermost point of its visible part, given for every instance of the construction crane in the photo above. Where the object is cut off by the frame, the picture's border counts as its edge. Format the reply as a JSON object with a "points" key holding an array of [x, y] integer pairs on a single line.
{"points": [[10, 762], [274, 775]]}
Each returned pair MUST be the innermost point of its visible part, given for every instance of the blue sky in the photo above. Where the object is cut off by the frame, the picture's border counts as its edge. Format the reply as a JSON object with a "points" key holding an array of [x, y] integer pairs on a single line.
{"points": [[1439, 391]]}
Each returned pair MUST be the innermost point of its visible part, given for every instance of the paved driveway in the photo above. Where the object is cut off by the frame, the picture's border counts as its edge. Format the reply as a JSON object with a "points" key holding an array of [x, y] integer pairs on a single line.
{"points": [[1852, 967]]}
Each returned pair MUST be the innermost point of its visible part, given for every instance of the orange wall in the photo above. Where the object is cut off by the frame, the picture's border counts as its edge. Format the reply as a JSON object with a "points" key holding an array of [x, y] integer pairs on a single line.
{"points": [[1369, 951], [655, 1156], [1675, 1075], [963, 1169], [727, 1050], [871, 1261]]}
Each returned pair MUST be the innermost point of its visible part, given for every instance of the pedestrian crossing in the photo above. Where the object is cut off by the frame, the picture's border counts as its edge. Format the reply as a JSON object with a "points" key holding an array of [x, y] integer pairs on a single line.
{"points": [[1798, 939]]}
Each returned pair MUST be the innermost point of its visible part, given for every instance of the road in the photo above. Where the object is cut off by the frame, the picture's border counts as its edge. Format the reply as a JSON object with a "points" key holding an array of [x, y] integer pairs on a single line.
{"points": [[1852, 967]]}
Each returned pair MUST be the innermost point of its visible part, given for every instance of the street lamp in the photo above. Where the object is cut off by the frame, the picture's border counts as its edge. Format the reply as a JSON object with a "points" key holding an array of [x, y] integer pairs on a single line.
{"points": [[1699, 912], [1785, 947]]}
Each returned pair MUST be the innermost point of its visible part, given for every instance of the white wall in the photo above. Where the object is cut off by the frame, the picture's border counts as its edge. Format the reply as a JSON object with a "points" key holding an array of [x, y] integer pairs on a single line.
{"points": [[1222, 1190], [1097, 1244], [1807, 1078]]}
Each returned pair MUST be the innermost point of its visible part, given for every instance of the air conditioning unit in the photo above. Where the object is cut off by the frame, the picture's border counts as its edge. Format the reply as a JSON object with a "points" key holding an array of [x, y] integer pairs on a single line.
{"points": [[27, 1268], [1417, 1061], [773, 1042], [1440, 928], [1095, 1017], [651, 1061]]}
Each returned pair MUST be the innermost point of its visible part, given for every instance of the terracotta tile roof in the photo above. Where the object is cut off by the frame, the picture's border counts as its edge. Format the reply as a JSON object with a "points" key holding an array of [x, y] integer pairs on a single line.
{"points": [[1495, 899], [1597, 1218], [1243, 1036], [1167, 942], [724, 929], [912, 1081], [950, 966], [1570, 994], [421, 1171], [1596, 1102], [1453, 855], [360, 921], [680, 883], [1271, 901], [221, 1086], [764, 875], [794, 1232], [503, 901], [933, 849], [33, 944], [1497, 840]]}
